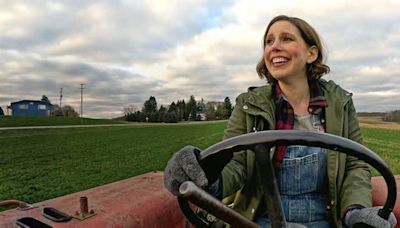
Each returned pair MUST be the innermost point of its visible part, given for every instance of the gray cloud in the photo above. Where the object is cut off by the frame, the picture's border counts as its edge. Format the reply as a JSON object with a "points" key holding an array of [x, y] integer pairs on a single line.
{"points": [[126, 51]]}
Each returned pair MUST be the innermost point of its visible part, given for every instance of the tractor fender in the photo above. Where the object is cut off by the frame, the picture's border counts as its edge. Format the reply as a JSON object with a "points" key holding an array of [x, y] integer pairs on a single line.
{"points": [[379, 194]]}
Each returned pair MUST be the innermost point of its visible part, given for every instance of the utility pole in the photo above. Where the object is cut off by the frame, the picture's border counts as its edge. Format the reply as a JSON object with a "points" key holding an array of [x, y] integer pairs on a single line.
{"points": [[82, 99], [60, 96]]}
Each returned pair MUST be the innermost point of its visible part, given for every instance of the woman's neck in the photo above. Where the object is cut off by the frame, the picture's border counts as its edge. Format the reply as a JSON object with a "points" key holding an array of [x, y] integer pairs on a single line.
{"points": [[298, 95]]}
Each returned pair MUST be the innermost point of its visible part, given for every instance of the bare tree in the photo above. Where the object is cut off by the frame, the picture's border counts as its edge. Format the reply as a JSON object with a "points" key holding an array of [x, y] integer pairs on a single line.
{"points": [[130, 109]]}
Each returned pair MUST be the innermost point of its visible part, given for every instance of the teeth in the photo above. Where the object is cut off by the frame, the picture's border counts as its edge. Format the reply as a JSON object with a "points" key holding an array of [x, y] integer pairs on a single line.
{"points": [[279, 60]]}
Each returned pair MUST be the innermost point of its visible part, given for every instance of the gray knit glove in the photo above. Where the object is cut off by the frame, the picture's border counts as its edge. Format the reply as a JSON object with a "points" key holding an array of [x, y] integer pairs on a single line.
{"points": [[370, 217], [183, 166]]}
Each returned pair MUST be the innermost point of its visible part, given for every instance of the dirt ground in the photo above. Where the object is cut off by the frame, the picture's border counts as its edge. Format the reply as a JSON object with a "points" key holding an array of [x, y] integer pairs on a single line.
{"points": [[377, 122]]}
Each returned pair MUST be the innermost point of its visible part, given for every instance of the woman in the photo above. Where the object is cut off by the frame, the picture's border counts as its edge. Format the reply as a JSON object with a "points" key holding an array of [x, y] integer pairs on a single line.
{"points": [[324, 188]]}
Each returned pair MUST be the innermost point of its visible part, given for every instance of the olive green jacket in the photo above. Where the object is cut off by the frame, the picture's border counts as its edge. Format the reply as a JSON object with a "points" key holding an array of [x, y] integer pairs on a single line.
{"points": [[349, 177]]}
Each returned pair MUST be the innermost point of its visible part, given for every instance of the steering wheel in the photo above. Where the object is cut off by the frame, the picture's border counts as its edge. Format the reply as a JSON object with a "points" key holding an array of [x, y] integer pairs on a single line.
{"points": [[260, 143]]}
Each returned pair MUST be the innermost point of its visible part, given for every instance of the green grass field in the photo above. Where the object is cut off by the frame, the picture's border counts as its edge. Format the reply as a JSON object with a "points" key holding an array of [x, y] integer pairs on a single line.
{"points": [[39, 164], [386, 143], [13, 121]]}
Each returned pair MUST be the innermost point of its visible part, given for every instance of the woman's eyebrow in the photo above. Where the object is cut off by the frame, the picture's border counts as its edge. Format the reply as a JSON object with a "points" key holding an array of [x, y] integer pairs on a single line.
{"points": [[287, 33], [280, 34]]}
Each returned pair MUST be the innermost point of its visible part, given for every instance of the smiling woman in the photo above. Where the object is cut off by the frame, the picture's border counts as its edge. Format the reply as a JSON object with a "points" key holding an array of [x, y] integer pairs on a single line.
{"points": [[301, 36], [295, 98]]}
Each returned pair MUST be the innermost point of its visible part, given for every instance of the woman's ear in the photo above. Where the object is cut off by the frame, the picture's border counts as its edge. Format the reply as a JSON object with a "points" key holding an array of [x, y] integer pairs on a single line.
{"points": [[312, 54]]}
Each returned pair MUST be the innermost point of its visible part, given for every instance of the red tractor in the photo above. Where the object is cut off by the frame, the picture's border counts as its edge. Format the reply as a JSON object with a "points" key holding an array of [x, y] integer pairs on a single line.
{"points": [[142, 201]]}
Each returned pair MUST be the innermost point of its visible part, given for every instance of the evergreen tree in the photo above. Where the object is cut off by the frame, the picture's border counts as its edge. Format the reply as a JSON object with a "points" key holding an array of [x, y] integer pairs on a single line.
{"points": [[149, 110], [191, 108], [162, 109], [161, 114], [170, 117], [227, 111], [182, 113], [150, 105], [172, 107], [200, 105]]}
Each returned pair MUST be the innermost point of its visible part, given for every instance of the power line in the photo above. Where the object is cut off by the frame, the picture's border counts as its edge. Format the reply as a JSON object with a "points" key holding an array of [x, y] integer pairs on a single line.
{"points": [[61, 96], [82, 88]]}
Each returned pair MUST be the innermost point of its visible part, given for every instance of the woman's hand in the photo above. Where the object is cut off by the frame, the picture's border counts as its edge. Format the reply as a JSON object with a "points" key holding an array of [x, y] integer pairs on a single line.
{"points": [[370, 217], [184, 166]]}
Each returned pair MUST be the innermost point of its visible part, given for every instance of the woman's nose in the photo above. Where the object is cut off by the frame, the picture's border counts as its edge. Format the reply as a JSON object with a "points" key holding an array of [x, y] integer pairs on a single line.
{"points": [[276, 46]]}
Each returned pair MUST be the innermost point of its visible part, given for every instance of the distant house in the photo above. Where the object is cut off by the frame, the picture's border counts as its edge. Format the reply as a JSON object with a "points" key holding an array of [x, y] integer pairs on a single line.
{"points": [[31, 108], [215, 104]]}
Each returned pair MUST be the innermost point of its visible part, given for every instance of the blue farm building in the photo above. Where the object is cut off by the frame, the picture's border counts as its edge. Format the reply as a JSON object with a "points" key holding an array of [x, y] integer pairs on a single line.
{"points": [[31, 108]]}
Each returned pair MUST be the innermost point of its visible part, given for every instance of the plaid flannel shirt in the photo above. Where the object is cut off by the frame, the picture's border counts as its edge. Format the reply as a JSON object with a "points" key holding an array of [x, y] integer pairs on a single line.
{"points": [[285, 114]]}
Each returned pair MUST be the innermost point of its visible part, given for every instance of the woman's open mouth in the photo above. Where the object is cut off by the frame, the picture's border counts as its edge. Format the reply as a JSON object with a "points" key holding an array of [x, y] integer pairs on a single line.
{"points": [[279, 61]]}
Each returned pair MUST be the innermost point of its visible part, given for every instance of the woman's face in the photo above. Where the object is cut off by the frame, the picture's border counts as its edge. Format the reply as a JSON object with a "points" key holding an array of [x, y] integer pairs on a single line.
{"points": [[286, 53]]}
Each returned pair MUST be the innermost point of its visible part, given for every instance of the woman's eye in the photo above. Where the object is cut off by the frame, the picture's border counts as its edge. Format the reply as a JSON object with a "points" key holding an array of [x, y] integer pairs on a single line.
{"points": [[268, 42], [287, 39]]}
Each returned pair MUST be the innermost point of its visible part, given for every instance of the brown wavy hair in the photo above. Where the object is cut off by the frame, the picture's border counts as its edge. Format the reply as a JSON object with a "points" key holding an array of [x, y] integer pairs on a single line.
{"points": [[316, 69]]}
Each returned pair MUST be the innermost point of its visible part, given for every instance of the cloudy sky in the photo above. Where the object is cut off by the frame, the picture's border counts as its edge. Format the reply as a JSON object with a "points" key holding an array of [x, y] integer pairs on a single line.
{"points": [[126, 51]]}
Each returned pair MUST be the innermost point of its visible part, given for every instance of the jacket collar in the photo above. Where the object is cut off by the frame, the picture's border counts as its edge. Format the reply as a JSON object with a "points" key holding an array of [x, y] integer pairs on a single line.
{"points": [[337, 98], [259, 102]]}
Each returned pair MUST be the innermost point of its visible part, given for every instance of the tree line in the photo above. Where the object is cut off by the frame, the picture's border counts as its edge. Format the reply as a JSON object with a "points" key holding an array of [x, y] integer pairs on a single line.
{"points": [[66, 110], [179, 111], [392, 116]]}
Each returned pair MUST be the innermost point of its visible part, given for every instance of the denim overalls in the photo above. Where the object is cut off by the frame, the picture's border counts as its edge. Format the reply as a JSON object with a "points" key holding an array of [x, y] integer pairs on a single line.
{"points": [[302, 181]]}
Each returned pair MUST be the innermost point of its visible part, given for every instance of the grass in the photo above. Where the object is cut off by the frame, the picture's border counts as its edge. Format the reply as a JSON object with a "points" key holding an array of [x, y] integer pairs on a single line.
{"points": [[39, 164], [386, 143], [20, 121]]}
